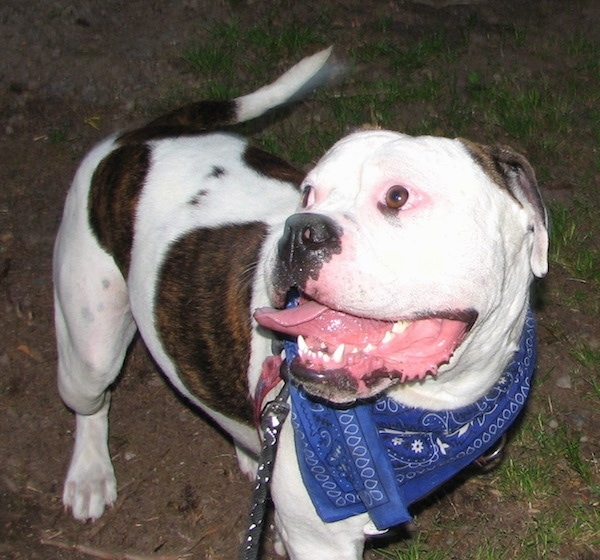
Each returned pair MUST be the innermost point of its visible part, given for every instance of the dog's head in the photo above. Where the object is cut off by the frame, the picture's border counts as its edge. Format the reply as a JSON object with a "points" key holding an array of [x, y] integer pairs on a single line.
{"points": [[413, 256]]}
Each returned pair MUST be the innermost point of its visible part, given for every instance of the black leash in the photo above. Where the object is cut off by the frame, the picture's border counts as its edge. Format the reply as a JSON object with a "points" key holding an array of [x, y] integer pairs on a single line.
{"points": [[271, 419]]}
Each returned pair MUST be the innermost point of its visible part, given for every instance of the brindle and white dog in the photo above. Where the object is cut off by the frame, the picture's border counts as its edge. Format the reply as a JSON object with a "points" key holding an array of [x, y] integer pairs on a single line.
{"points": [[413, 258]]}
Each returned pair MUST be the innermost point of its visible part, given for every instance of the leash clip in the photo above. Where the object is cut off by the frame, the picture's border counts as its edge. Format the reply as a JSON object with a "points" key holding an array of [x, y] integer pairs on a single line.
{"points": [[275, 412], [272, 418]]}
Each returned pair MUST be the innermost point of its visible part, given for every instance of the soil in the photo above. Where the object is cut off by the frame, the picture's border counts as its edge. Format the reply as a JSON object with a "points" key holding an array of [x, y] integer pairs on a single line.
{"points": [[72, 72]]}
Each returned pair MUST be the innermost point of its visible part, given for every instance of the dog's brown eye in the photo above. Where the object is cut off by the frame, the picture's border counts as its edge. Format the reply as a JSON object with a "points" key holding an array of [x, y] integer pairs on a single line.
{"points": [[396, 197], [307, 196]]}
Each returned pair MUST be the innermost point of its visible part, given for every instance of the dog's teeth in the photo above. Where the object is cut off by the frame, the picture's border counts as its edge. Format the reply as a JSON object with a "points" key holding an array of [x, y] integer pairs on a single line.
{"points": [[389, 335], [399, 327], [338, 355], [369, 347], [326, 358], [302, 346]]}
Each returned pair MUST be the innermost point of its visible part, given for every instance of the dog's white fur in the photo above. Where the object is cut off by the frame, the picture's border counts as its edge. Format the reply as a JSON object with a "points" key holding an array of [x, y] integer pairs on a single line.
{"points": [[463, 242]]}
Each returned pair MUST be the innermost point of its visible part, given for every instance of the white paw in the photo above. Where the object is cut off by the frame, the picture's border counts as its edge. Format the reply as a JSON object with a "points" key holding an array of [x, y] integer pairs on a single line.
{"points": [[89, 488], [90, 485], [278, 545]]}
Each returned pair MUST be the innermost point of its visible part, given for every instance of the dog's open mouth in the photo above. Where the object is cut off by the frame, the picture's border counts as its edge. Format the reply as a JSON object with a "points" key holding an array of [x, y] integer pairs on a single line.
{"points": [[342, 357]]}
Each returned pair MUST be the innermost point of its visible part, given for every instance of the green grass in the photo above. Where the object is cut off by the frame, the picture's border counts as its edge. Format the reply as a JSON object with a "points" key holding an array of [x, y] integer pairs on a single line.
{"points": [[415, 549], [226, 50], [574, 239]]}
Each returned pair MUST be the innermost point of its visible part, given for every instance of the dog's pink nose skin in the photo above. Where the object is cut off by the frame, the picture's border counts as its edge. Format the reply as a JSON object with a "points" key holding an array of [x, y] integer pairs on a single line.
{"points": [[309, 240]]}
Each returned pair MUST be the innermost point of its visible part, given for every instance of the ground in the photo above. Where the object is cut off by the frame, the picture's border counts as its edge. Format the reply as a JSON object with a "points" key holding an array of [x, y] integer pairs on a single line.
{"points": [[72, 72]]}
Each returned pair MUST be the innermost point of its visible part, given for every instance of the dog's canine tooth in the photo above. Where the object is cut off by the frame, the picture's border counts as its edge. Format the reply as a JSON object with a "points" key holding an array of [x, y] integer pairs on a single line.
{"points": [[338, 355], [302, 346], [389, 335]]}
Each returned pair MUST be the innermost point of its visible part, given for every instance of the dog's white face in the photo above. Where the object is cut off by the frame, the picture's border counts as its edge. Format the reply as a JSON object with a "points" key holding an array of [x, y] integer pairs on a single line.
{"points": [[413, 256]]}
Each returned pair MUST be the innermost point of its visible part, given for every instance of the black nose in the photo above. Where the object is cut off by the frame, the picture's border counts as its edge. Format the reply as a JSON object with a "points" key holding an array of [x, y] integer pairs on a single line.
{"points": [[309, 240]]}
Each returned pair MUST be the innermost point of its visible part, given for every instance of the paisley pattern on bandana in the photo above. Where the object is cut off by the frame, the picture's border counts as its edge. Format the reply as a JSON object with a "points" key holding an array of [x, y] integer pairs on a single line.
{"points": [[381, 457]]}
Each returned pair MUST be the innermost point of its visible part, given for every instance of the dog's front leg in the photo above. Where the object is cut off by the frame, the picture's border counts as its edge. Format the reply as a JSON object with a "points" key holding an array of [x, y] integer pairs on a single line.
{"points": [[91, 483], [304, 535]]}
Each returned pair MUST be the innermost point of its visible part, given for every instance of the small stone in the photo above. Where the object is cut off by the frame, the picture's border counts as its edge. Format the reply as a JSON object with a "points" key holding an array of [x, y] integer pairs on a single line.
{"points": [[553, 424], [564, 382]]}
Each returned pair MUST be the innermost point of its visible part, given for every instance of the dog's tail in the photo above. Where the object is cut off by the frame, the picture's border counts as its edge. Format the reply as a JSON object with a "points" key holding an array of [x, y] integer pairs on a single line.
{"points": [[202, 116]]}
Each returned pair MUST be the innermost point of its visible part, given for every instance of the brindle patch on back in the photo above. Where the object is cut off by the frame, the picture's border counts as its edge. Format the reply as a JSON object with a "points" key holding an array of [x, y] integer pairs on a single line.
{"points": [[194, 118], [114, 193], [272, 166], [202, 313]]}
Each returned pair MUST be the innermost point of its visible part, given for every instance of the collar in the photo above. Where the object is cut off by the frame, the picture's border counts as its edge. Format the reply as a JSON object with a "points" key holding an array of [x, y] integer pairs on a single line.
{"points": [[382, 456]]}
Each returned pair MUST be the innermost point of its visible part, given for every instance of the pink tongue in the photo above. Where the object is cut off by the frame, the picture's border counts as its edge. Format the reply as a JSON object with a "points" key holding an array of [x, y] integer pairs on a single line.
{"points": [[313, 319]]}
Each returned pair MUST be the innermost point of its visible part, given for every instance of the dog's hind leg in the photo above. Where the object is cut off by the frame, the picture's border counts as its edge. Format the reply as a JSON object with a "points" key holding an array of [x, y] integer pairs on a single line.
{"points": [[94, 328], [91, 345]]}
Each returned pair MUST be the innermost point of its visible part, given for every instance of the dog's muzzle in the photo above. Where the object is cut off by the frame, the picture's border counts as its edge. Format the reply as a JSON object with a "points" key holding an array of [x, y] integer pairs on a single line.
{"points": [[309, 240]]}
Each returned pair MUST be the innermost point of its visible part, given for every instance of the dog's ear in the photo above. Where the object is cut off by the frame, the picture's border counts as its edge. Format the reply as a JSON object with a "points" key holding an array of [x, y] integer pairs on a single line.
{"points": [[512, 171], [522, 183]]}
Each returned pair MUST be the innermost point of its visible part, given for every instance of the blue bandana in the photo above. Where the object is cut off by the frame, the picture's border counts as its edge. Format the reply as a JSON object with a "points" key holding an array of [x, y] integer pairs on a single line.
{"points": [[380, 457]]}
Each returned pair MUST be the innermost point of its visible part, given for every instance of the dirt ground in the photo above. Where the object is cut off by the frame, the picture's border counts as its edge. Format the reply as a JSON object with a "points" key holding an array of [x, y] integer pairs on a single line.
{"points": [[89, 68]]}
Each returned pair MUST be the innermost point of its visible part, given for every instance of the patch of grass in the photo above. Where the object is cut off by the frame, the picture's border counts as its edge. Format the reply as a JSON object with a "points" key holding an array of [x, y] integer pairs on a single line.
{"points": [[586, 356], [594, 383], [414, 549], [573, 240], [218, 59], [528, 479]]}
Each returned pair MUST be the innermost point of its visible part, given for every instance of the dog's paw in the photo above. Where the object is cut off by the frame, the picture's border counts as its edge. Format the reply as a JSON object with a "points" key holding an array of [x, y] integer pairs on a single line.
{"points": [[247, 462], [89, 488], [278, 545]]}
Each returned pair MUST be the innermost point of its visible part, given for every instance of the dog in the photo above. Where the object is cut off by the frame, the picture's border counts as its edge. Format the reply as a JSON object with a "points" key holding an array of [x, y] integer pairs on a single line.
{"points": [[410, 261]]}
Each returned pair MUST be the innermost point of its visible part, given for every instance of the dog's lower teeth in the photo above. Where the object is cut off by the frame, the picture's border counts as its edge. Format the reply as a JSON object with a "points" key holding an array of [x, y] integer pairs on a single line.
{"points": [[338, 355], [388, 336]]}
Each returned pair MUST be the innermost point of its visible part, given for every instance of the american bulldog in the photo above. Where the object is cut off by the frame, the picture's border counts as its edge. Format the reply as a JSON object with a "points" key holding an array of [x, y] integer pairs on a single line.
{"points": [[409, 337]]}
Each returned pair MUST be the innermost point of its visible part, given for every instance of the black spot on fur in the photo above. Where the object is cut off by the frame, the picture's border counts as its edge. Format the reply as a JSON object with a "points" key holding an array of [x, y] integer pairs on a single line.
{"points": [[198, 197], [216, 172]]}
